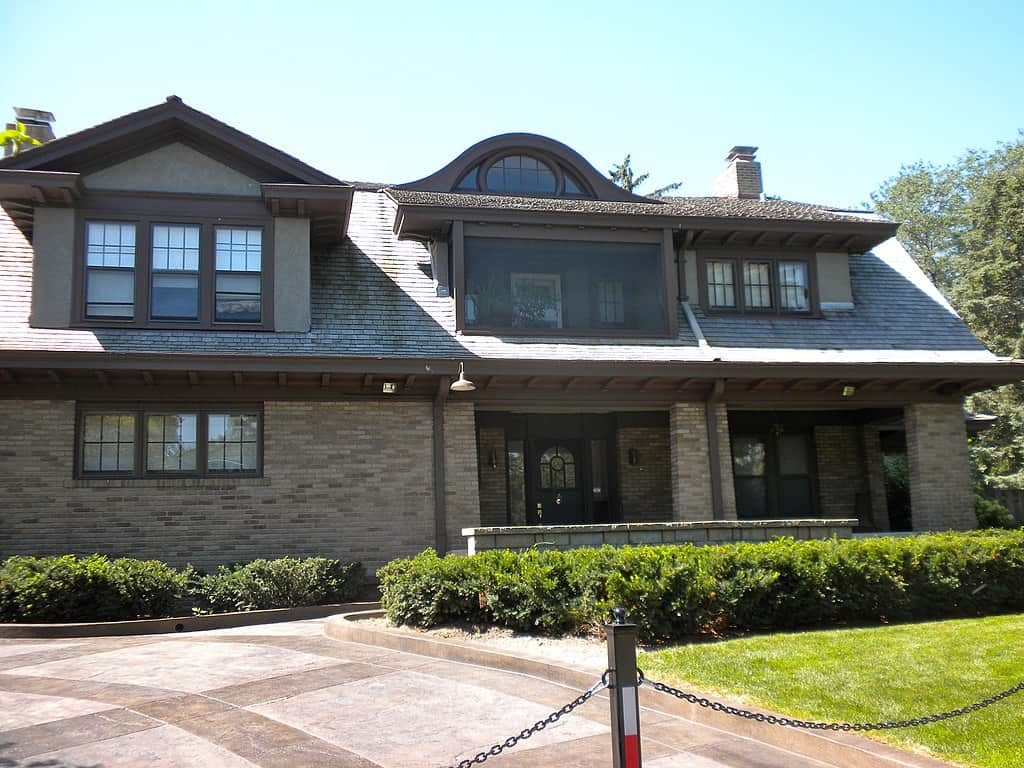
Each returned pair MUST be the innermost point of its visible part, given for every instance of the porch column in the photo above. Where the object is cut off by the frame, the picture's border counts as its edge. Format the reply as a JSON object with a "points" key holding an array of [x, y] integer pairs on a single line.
{"points": [[692, 497], [462, 492], [941, 497], [873, 464]]}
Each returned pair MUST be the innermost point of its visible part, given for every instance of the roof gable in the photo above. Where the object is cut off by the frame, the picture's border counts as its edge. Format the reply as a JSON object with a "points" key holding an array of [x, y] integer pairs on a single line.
{"points": [[173, 121]]}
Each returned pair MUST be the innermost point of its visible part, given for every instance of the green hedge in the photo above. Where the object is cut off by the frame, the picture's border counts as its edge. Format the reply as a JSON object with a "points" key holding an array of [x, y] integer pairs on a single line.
{"points": [[678, 591], [285, 583], [96, 588]]}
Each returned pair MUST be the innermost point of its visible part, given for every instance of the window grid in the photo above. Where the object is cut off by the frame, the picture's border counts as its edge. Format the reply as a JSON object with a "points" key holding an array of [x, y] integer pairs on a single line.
{"points": [[520, 173], [757, 285], [171, 442], [108, 442], [794, 295], [175, 272], [238, 256], [721, 284], [611, 305], [557, 468], [232, 441], [110, 269]]}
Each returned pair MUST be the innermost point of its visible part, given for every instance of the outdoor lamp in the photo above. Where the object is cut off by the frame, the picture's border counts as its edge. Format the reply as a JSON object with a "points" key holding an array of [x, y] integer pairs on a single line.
{"points": [[462, 384]]}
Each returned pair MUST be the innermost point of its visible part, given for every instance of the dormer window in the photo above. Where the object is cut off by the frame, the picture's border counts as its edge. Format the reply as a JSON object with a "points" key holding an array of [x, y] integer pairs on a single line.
{"points": [[520, 174], [762, 284]]}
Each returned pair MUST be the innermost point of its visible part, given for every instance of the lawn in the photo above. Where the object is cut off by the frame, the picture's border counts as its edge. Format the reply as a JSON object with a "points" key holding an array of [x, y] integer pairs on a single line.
{"points": [[881, 673]]}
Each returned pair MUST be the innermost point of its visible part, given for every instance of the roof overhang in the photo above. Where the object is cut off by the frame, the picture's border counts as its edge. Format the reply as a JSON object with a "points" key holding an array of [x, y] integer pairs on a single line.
{"points": [[327, 206], [22, 191], [418, 221]]}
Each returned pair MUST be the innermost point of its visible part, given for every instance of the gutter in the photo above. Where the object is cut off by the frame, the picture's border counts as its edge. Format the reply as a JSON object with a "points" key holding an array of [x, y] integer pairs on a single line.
{"points": [[702, 342], [440, 497]]}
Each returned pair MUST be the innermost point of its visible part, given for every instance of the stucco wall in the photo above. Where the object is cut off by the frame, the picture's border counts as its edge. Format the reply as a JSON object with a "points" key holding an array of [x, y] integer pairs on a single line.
{"points": [[291, 275], [834, 289], [351, 480], [53, 241], [174, 168]]}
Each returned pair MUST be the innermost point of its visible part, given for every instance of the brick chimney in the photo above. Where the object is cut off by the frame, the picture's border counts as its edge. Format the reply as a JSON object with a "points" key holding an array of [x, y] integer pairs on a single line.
{"points": [[37, 125], [742, 179]]}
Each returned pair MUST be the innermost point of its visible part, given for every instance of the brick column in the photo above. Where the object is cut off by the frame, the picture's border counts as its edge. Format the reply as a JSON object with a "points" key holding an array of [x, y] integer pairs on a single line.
{"points": [[940, 483], [462, 491], [691, 472], [493, 480]]}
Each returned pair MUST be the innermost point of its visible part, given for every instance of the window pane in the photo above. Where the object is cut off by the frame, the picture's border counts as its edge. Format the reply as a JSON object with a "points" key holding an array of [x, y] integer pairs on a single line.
{"points": [[232, 442], [238, 298], [109, 244], [513, 283], [522, 174], [793, 292], [110, 292], [793, 454], [239, 249], [176, 247], [757, 285], [171, 442], [108, 443], [748, 456], [721, 284], [175, 296], [516, 482], [599, 468]]}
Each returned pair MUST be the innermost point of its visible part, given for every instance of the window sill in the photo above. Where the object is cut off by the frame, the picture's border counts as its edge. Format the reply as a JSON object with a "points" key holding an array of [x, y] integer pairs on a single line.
{"points": [[96, 324], [542, 333], [226, 483]]}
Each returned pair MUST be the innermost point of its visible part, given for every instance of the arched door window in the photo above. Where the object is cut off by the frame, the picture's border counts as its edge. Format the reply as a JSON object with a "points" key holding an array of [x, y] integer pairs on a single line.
{"points": [[557, 468]]}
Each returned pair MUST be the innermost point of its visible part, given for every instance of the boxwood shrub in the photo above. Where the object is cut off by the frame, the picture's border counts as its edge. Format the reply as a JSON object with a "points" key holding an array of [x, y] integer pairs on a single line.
{"points": [[91, 588], [677, 591]]}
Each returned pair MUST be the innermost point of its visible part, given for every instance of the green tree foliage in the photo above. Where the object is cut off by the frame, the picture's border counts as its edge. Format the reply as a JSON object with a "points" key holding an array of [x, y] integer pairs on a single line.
{"points": [[17, 136], [622, 175], [964, 225]]}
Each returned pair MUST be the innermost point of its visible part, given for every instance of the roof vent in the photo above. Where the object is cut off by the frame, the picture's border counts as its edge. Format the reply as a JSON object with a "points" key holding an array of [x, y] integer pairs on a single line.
{"points": [[37, 125], [742, 179]]}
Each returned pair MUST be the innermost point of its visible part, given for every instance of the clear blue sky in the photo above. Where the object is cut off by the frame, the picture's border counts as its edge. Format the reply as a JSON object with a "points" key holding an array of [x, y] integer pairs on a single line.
{"points": [[837, 95]]}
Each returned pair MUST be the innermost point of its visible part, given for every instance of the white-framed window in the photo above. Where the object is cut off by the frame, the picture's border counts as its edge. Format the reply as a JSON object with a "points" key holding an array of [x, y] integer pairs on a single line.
{"points": [[109, 269], [794, 291], [536, 300], [721, 281]]}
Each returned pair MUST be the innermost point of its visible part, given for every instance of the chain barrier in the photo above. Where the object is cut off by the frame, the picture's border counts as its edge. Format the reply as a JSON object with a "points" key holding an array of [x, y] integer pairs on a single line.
{"points": [[816, 726], [540, 725]]}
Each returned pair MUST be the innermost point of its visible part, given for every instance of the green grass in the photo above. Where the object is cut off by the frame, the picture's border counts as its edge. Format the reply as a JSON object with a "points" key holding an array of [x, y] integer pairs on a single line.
{"points": [[882, 673]]}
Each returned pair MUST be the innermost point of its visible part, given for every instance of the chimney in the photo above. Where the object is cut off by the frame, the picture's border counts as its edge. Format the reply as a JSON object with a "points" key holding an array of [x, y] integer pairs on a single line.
{"points": [[742, 179], [37, 125]]}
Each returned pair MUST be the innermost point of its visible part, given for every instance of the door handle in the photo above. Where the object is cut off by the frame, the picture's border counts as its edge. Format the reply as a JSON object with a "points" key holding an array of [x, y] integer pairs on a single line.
{"points": [[540, 511], [558, 498]]}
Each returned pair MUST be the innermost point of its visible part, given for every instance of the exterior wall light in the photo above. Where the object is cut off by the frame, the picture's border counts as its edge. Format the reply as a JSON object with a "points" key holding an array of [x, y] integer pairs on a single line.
{"points": [[849, 390], [462, 384], [389, 388], [634, 457]]}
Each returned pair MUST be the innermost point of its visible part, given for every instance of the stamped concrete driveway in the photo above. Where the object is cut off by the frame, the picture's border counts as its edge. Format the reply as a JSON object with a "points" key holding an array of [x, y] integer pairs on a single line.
{"points": [[286, 695]]}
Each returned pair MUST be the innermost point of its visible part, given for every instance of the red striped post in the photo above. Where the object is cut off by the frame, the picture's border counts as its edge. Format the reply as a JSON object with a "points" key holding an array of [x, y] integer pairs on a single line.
{"points": [[622, 679]]}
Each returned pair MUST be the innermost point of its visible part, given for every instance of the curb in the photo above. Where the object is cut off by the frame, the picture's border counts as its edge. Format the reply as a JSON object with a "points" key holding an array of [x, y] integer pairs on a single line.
{"points": [[174, 624], [844, 750]]}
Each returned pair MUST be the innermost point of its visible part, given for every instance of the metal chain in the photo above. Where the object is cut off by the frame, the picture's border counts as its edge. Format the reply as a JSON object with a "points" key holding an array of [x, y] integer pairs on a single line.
{"points": [[540, 725], [815, 726]]}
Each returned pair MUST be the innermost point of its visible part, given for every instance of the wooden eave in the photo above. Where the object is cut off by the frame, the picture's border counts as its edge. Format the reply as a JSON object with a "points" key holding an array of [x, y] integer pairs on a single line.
{"points": [[328, 207], [21, 192], [417, 221]]}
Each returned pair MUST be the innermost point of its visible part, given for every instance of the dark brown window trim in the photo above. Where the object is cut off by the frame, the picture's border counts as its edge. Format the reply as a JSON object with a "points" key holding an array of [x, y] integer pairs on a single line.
{"points": [[173, 210], [556, 166], [738, 259], [139, 411], [666, 266]]}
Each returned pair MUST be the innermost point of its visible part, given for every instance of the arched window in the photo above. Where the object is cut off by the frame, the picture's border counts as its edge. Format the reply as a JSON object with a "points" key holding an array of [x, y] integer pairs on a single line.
{"points": [[468, 182], [557, 468], [520, 173]]}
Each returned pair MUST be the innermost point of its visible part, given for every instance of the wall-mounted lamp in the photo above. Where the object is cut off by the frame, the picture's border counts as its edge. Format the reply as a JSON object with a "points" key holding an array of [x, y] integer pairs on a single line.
{"points": [[462, 384], [634, 457], [389, 388], [849, 390]]}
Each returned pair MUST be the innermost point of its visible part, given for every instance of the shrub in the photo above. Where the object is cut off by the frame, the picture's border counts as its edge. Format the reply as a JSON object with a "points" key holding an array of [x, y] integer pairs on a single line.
{"points": [[992, 514], [287, 582], [91, 588], [676, 591]]}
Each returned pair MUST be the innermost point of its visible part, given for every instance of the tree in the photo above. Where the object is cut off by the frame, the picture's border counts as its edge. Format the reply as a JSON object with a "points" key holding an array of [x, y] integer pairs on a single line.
{"points": [[622, 175], [964, 225], [18, 136]]}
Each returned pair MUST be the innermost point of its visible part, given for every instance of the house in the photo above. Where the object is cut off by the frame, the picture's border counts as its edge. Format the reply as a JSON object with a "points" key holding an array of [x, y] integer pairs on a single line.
{"points": [[210, 352]]}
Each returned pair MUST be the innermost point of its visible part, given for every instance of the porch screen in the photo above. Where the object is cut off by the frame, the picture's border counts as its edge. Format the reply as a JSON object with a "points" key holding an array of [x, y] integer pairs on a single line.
{"points": [[551, 284]]}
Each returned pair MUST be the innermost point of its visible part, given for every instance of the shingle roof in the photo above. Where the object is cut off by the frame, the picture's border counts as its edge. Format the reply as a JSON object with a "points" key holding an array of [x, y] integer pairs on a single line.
{"points": [[373, 297], [715, 207]]}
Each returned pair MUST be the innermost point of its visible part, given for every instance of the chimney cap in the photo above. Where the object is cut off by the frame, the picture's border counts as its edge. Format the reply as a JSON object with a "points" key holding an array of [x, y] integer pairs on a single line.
{"points": [[34, 116], [741, 153]]}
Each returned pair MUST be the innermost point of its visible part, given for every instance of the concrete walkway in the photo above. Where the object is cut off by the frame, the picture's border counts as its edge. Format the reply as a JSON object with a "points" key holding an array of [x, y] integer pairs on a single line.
{"points": [[286, 695]]}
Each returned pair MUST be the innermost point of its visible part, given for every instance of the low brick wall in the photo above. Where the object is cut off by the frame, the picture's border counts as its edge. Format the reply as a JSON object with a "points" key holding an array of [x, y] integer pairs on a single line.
{"points": [[520, 537]]}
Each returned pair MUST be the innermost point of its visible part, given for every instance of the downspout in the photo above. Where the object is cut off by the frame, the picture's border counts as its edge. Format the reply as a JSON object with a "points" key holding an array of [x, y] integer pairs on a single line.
{"points": [[440, 497], [714, 457]]}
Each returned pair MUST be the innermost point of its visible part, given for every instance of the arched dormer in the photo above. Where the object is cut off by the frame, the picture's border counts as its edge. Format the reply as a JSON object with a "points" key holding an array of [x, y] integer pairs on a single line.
{"points": [[523, 165]]}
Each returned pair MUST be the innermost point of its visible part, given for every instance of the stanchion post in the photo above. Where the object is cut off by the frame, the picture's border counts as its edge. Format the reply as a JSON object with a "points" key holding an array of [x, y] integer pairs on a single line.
{"points": [[622, 679]]}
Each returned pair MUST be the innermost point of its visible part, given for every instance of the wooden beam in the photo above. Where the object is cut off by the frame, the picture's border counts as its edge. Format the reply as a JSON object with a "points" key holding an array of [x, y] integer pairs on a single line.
{"points": [[368, 380], [69, 199], [688, 239], [847, 242], [530, 382], [409, 381], [819, 240], [7, 377], [830, 385], [300, 207], [489, 382], [282, 379], [789, 239], [608, 383], [38, 195], [757, 385], [871, 383], [101, 377], [53, 376], [569, 383], [645, 385], [794, 384], [147, 379], [760, 237], [697, 234], [238, 378], [684, 384], [193, 378], [275, 206], [730, 237]]}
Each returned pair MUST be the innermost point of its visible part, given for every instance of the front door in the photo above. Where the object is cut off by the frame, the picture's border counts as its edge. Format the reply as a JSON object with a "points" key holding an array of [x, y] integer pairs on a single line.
{"points": [[557, 475]]}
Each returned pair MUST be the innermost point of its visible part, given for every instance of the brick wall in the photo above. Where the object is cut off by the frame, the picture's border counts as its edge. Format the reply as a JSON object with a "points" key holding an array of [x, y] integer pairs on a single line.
{"points": [[493, 480], [840, 473], [344, 479], [645, 488], [941, 497], [690, 469], [461, 480]]}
